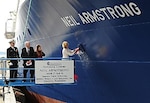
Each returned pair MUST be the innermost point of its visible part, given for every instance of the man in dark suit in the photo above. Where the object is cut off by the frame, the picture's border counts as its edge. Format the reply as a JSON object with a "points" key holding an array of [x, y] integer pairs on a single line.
{"points": [[12, 52], [28, 52]]}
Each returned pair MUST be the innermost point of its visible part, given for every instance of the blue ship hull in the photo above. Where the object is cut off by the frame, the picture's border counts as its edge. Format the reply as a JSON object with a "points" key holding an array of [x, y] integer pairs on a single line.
{"points": [[115, 35]]}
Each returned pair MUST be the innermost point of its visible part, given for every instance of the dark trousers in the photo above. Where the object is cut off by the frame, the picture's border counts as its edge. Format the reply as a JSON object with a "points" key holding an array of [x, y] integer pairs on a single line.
{"points": [[25, 72], [13, 72]]}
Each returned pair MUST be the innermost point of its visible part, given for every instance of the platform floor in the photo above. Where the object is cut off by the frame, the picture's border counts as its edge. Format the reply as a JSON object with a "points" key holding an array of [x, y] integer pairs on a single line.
{"points": [[7, 96], [6, 93], [1, 95]]}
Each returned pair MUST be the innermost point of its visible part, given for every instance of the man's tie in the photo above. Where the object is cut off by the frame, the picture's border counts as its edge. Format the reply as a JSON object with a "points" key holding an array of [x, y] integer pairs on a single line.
{"points": [[28, 51]]}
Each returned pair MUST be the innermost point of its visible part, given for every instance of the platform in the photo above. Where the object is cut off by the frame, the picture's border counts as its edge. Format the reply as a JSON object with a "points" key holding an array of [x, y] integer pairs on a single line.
{"points": [[47, 72]]}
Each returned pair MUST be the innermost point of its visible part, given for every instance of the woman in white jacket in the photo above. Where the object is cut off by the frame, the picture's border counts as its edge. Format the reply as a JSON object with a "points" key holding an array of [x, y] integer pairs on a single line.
{"points": [[66, 52]]}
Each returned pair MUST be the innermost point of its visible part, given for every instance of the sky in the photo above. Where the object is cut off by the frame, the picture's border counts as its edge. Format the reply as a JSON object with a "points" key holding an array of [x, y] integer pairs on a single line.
{"points": [[5, 7]]}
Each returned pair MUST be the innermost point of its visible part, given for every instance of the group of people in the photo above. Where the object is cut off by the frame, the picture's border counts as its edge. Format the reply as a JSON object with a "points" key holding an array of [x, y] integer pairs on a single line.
{"points": [[27, 52]]}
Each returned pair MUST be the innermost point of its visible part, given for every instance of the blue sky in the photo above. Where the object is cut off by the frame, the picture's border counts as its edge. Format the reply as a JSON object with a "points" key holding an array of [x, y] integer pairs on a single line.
{"points": [[5, 7]]}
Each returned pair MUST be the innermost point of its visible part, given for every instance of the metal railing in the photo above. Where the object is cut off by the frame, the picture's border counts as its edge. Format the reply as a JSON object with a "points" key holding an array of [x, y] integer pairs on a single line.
{"points": [[5, 79]]}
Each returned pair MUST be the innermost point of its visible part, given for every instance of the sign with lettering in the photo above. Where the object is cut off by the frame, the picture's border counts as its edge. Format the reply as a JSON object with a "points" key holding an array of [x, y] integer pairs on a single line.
{"points": [[54, 71]]}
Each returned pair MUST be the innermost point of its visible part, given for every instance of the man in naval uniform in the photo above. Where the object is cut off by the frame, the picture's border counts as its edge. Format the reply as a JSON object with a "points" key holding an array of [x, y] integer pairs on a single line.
{"points": [[12, 52]]}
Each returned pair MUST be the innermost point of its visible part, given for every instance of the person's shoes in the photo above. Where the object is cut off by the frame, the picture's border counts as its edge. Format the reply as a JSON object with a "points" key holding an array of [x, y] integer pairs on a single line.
{"points": [[31, 80], [12, 80], [7, 82], [23, 80]]}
